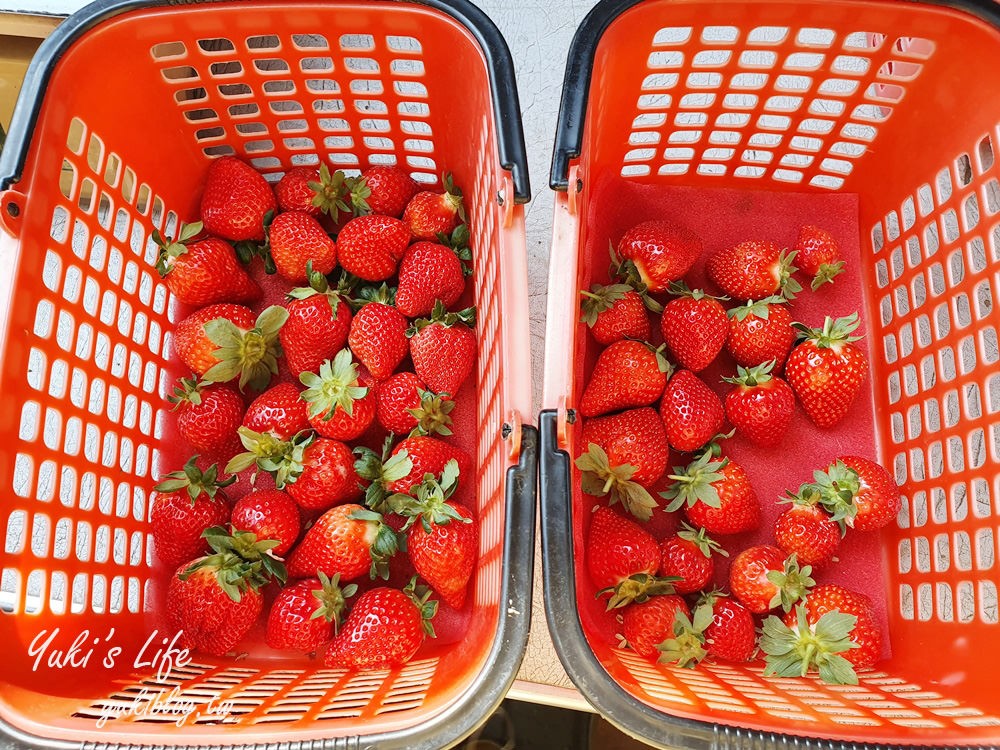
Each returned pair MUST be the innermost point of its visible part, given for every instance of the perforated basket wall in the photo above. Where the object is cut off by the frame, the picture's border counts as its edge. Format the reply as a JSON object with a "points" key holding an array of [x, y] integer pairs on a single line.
{"points": [[897, 104], [131, 103]]}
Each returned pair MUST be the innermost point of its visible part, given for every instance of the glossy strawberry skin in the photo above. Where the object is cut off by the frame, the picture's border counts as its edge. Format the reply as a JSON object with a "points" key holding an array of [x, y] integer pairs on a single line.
{"points": [[661, 252], [762, 412], [314, 332], [208, 620], [395, 397], [279, 411], [391, 189], [446, 557], [192, 343], [429, 455], [739, 509], [626, 318], [384, 630], [809, 533], [617, 548], [826, 381], [866, 634], [209, 273], [335, 544], [210, 426], [235, 200], [329, 478], [691, 411], [177, 524], [293, 192], [732, 635], [427, 273], [748, 576], [625, 376], [290, 624], [747, 270], [682, 558], [650, 623], [635, 437], [443, 357], [878, 501], [378, 338], [371, 247], [815, 248], [429, 214], [296, 239], [694, 330], [270, 514], [756, 340]]}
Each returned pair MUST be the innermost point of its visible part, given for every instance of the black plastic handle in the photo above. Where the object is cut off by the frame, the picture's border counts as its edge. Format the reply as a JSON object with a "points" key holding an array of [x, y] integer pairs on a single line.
{"points": [[500, 65]]}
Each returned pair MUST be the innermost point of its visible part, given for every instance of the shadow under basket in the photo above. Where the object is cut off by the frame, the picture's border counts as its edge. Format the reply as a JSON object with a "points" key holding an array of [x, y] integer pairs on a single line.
{"points": [[122, 111], [741, 120]]}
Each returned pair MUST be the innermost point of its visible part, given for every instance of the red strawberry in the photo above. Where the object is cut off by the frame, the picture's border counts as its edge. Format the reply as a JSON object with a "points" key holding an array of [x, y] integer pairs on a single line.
{"points": [[297, 241], [622, 558], [818, 255], [625, 453], [627, 374], [371, 247], [321, 475], [806, 529], [614, 313], [403, 404], [826, 370], [759, 332], [763, 578], [269, 514], [428, 455], [187, 503], [224, 342], [203, 272], [443, 539], [761, 406], [443, 348], [214, 601], [860, 492], [659, 252], [691, 412], [753, 269], [694, 327], [236, 200], [732, 634], [378, 337], [429, 214], [279, 412], [208, 416], [383, 190], [716, 495], [307, 613], [385, 629], [645, 625], [312, 191], [340, 403], [346, 539], [687, 555], [430, 272], [866, 635], [318, 323]]}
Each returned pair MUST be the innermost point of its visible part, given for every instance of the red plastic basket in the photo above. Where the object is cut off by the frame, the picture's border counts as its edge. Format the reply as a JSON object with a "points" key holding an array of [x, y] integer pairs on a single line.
{"points": [[122, 110], [743, 119]]}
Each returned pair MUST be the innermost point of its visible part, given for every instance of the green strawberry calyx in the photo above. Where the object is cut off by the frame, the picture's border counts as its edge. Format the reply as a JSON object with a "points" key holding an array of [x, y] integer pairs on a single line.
{"points": [[332, 598], [441, 316], [380, 472], [358, 192], [247, 250], [792, 583], [428, 503], [837, 487], [336, 386], [793, 652], [834, 333], [680, 289], [433, 415], [751, 377], [458, 241], [628, 273], [695, 483], [638, 588], [187, 391], [700, 538], [810, 495], [826, 273], [282, 459], [687, 648], [600, 478], [329, 192], [387, 542], [756, 309], [421, 598], [453, 195], [239, 562], [787, 284], [251, 356], [600, 298], [318, 284], [195, 481], [383, 294], [246, 545], [171, 248]]}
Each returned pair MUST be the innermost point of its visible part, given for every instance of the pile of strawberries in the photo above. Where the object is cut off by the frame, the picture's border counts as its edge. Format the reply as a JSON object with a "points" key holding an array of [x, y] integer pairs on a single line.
{"points": [[330, 408], [638, 407]]}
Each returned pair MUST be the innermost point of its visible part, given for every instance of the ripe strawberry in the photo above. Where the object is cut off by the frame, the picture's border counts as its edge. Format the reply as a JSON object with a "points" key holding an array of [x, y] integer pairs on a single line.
{"points": [[320, 474], [371, 247], [186, 503], [214, 601], [279, 412], [383, 190], [806, 529], [763, 578], [404, 405], [430, 272], [383, 471], [860, 492], [622, 559], [312, 191], [866, 635], [647, 624], [694, 327], [318, 323], [732, 635], [759, 332], [691, 412], [753, 269], [295, 241], [429, 214], [269, 514], [687, 555], [614, 313], [428, 455], [339, 402], [659, 252], [236, 200], [224, 342], [347, 539], [444, 545], [818, 255], [208, 416], [203, 272], [385, 629], [378, 336], [627, 374], [307, 613], [826, 370], [761, 405], [443, 348], [716, 495], [625, 453]]}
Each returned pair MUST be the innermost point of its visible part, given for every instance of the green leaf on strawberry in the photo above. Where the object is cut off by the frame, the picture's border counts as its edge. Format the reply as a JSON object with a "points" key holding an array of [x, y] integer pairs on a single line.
{"points": [[628, 274], [600, 478], [793, 652]]}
